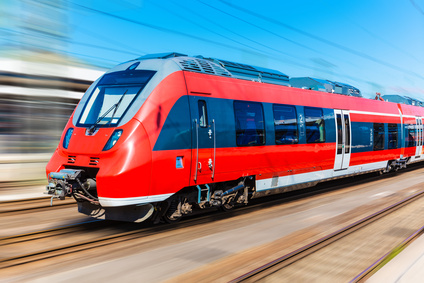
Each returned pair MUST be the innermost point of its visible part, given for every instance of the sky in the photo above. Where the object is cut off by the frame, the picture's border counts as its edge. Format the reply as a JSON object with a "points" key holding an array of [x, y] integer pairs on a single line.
{"points": [[374, 45]]}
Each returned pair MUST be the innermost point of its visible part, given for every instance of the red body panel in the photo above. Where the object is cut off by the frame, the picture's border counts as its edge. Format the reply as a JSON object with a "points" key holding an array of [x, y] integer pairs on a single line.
{"points": [[223, 87], [132, 169], [130, 159], [359, 117], [126, 169], [155, 109], [166, 178], [361, 158], [231, 163]]}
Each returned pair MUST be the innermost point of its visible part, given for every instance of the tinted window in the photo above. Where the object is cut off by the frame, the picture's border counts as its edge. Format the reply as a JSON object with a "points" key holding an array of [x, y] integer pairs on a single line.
{"points": [[203, 116], [314, 122], [410, 136], [250, 126], [378, 136], [285, 124], [393, 136], [127, 77], [339, 134], [347, 132], [113, 96]]}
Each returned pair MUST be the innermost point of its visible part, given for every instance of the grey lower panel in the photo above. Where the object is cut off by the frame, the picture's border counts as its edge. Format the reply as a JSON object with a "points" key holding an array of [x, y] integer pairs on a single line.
{"points": [[131, 213], [279, 190]]}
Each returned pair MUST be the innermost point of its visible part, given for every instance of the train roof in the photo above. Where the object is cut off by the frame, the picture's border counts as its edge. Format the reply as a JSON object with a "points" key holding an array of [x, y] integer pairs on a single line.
{"points": [[325, 85], [402, 99], [223, 68], [227, 68]]}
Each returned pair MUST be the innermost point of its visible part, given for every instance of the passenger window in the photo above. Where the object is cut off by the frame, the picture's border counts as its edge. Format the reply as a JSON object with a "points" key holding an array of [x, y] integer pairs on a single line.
{"points": [[339, 134], [314, 122], [347, 132], [393, 136], [378, 136], [285, 124], [203, 115], [250, 126], [410, 136]]}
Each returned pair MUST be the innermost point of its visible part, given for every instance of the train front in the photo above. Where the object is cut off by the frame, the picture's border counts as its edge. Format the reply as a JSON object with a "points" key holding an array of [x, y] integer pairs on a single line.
{"points": [[104, 156]]}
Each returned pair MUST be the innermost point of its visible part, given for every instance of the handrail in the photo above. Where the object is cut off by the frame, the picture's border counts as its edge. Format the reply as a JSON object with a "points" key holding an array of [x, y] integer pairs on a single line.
{"points": [[214, 148], [197, 149]]}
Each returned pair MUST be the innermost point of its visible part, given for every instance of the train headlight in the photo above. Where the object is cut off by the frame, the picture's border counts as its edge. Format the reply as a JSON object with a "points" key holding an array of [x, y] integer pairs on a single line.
{"points": [[113, 139], [67, 138]]}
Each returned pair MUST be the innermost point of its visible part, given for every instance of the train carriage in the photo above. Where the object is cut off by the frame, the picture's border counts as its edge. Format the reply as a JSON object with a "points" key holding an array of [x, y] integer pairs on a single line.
{"points": [[165, 134]]}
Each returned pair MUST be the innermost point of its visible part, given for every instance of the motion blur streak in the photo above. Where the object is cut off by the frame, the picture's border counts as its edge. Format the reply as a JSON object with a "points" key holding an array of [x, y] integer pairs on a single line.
{"points": [[39, 85]]}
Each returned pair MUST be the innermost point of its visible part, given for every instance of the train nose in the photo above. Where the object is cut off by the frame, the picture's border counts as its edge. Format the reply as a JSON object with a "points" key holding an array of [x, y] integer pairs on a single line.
{"points": [[70, 182]]}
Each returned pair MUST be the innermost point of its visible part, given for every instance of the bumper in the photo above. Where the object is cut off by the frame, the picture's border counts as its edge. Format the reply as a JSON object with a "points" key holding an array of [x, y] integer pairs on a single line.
{"points": [[124, 213]]}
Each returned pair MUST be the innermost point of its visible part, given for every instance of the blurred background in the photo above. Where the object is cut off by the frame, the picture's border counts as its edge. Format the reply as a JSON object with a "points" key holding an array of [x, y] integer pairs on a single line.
{"points": [[40, 85], [52, 50]]}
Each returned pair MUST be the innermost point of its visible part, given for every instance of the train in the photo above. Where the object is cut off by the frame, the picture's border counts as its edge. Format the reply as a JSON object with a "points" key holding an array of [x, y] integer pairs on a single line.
{"points": [[163, 135]]}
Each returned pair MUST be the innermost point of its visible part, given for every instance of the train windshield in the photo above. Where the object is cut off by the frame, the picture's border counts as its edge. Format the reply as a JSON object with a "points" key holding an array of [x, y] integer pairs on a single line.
{"points": [[113, 96]]}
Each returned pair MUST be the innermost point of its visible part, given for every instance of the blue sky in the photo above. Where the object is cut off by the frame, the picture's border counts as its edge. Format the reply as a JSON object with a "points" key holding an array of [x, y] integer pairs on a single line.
{"points": [[375, 45]]}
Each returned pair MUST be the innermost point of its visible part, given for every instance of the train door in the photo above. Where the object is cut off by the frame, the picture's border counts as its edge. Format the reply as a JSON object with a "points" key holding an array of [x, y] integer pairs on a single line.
{"points": [[343, 138], [419, 134], [203, 141]]}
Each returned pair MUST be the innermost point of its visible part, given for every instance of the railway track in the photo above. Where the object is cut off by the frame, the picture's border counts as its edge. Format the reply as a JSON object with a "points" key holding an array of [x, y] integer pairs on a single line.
{"points": [[29, 247], [337, 256], [44, 248], [9, 240], [373, 268], [37, 246], [30, 205]]}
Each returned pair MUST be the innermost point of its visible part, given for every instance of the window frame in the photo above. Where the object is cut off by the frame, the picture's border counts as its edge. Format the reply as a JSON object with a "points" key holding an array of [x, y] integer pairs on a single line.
{"points": [[308, 127], [389, 127], [410, 128], [296, 124], [258, 130], [201, 104], [106, 82], [378, 126]]}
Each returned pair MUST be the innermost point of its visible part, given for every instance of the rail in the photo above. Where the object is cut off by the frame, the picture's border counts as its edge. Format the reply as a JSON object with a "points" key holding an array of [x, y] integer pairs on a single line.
{"points": [[273, 266], [372, 269], [25, 205]]}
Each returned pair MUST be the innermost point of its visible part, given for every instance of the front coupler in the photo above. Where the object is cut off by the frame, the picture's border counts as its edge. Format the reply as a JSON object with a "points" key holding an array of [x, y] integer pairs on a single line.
{"points": [[64, 183]]}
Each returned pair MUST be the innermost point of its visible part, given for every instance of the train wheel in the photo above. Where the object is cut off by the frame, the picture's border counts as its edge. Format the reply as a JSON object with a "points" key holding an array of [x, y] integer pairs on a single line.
{"points": [[227, 206], [173, 214], [171, 219]]}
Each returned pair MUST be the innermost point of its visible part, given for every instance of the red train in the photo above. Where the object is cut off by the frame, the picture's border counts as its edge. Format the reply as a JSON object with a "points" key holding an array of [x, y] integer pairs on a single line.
{"points": [[165, 134]]}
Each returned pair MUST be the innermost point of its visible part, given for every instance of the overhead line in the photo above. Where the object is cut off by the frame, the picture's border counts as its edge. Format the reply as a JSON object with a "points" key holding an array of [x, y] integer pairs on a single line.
{"points": [[109, 40], [65, 39], [416, 6], [180, 33], [287, 61], [388, 43], [198, 38], [259, 27], [68, 52], [323, 40], [153, 26], [221, 26], [210, 30]]}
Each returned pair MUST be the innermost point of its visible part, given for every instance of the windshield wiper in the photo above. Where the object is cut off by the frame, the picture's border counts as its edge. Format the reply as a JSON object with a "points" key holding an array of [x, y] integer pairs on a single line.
{"points": [[115, 106]]}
